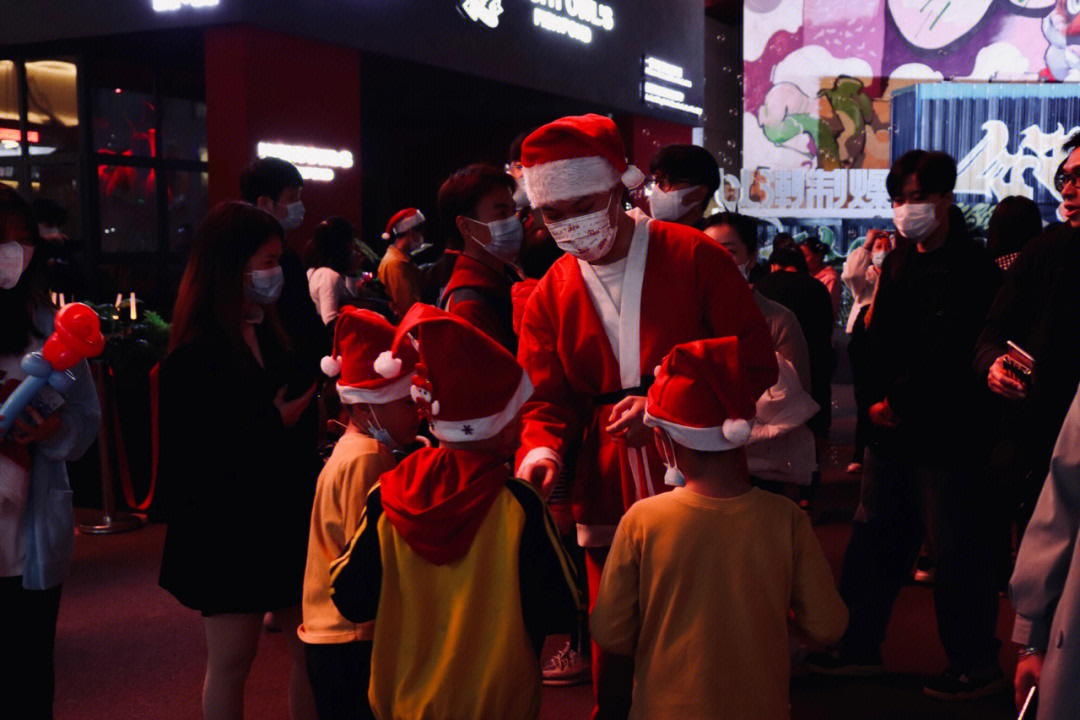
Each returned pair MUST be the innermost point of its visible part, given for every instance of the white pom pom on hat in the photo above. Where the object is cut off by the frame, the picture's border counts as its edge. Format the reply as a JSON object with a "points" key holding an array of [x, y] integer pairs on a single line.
{"points": [[632, 177], [387, 365], [330, 366], [736, 431]]}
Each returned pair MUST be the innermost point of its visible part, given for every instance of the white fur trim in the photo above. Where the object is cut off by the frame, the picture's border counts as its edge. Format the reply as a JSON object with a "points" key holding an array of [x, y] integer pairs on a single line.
{"points": [[595, 535], [409, 223], [710, 439], [632, 177], [737, 431], [571, 178], [387, 393], [387, 365], [330, 366], [485, 427], [536, 455]]}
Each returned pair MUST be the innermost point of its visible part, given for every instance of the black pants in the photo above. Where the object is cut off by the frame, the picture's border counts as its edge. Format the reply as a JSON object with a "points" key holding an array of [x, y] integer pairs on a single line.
{"points": [[900, 504], [339, 675], [28, 622]]}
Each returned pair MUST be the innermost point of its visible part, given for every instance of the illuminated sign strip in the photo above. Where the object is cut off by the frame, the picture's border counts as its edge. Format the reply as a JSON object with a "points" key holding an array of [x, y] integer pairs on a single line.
{"points": [[655, 93], [314, 163], [573, 18], [13, 135], [173, 5]]}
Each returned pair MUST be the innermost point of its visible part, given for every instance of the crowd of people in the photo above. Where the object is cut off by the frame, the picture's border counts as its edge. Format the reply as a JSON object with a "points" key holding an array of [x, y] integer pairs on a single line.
{"points": [[581, 419]]}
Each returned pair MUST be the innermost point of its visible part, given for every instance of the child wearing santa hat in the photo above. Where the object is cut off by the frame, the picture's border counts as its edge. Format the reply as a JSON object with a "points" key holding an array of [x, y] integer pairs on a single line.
{"points": [[458, 563], [626, 292], [375, 389], [701, 582]]}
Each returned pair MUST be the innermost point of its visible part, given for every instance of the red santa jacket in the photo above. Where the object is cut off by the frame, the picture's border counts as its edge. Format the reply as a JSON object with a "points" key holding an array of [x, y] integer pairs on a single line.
{"points": [[690, 289]]}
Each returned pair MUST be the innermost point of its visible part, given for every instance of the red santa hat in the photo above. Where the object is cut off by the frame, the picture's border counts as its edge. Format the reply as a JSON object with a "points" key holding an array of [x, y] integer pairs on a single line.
{"points": [[700, 397], [575, 156], [467, 385], [402, 222], [369, 373]]}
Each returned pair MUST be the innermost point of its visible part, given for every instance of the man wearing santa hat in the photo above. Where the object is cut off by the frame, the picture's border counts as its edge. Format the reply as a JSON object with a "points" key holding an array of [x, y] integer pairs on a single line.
{"points": [[458, 563], [397, 271], [628, 290]]}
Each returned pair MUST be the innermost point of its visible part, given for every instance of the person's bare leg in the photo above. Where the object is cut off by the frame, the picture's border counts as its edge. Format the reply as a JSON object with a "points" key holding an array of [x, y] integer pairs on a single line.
{"points": [[231, 643], [301, 700]]}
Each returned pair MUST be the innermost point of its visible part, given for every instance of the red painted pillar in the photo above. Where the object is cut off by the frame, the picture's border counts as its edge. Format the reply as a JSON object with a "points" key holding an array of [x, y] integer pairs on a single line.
{"points": [[264, 86]]}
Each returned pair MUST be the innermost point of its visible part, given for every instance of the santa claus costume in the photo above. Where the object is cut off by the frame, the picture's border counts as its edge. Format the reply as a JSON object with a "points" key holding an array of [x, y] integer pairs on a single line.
{"points": [[592, 332]]}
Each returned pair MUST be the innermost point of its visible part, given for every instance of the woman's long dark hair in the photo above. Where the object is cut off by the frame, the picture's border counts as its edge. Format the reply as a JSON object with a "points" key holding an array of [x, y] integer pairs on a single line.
{"points": [[333, 240], [211, 296], [17, 304]]}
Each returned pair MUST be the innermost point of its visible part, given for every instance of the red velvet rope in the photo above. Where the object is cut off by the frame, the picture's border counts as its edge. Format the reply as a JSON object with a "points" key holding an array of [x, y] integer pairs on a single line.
{"points": [[121, 450]]}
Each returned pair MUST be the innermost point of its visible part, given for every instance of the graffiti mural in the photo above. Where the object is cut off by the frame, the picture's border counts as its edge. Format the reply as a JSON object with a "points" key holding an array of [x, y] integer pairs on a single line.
{"points": [[819, 76]]}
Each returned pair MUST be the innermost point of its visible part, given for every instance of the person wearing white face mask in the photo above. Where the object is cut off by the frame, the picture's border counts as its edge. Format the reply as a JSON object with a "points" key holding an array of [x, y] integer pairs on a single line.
{"points": [[397, 272], [478, 203], [925, 473], [683, 178], [627, 291]]}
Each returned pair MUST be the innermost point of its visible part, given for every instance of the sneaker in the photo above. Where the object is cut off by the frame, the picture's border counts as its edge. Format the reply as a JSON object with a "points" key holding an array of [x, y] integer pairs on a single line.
{"points": [[567, 667], [832, 663], [854, 468], [951, 685]]}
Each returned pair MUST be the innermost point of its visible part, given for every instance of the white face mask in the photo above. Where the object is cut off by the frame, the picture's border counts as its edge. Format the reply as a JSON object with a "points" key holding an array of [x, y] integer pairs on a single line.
{"points": [[521, 198], [744, 269], [294, 216], [379, 433], [586, 237], [915, 221], [14, 259], [506, 237], [673, 475], [669, 205], [878, 258], [266, 285]]}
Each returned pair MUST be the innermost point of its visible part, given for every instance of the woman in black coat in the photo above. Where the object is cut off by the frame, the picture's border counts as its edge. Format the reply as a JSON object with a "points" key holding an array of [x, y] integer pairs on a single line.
{"points": [[239, 486]]}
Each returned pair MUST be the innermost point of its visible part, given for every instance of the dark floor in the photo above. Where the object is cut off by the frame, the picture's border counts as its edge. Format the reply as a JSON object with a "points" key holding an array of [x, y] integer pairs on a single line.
{"points": [[127, 650]]}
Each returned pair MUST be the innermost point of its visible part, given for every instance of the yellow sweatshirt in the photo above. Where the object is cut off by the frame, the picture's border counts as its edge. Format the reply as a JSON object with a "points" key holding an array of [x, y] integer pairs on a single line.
{"points": [[352, 470], [699, 589]]}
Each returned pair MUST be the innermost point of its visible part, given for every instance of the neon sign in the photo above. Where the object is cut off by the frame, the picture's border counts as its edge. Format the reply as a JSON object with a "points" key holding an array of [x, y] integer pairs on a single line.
{"points": [[573, 18], [314, 163], [658, 77], [483, 11], [173, 5]]}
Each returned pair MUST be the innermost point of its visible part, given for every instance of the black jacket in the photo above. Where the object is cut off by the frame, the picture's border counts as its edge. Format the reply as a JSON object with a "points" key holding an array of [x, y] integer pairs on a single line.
{"points": [[926, 318], [1037, 309]]}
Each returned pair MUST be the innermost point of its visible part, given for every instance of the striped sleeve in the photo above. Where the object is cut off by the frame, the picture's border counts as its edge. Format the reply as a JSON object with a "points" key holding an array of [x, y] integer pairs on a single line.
{"points": [[356, 576], [551, 595]]}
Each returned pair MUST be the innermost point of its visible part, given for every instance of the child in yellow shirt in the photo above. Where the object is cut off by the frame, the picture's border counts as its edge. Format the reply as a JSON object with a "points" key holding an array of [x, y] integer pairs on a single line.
{"points": [[382, 419], [701, 582]]}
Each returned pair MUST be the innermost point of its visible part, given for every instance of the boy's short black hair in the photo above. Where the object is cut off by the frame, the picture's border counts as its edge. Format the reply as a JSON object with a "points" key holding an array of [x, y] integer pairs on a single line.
{"points": [[462, 192], [744, 226], [688, 163], [49, 212], [332, 244], [787, 257], [268, 177], [935, 171], [516, 143], [1072, 143]]}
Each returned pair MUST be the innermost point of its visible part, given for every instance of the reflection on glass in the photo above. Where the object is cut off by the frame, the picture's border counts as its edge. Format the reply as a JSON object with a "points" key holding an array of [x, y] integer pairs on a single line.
{"points": [[7, 176], [9, 94], [123, 122], [187, 207], [53, 106], [183, 127], [59, 183], [128, 209]]}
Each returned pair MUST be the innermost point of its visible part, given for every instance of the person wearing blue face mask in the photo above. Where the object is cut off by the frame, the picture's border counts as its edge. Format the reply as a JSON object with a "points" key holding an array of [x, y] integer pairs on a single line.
{"points": [[477, 205], [237, 485]]}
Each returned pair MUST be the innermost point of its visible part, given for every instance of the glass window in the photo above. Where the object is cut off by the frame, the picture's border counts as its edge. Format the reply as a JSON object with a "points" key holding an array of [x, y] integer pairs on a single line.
{"points": [[53, 106], [61, 184], [128, 209], [123, 122], [187, 207], [9, 94], [183, 127], [8, 176]]}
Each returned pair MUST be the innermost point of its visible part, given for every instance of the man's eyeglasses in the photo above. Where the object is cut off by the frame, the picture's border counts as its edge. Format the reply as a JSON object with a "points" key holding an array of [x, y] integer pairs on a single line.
{"points": [[659, 182], [1062, 177]]}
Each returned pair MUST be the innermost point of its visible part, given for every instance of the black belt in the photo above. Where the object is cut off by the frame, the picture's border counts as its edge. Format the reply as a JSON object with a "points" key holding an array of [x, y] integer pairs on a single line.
{"points": [[613, 398]]}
